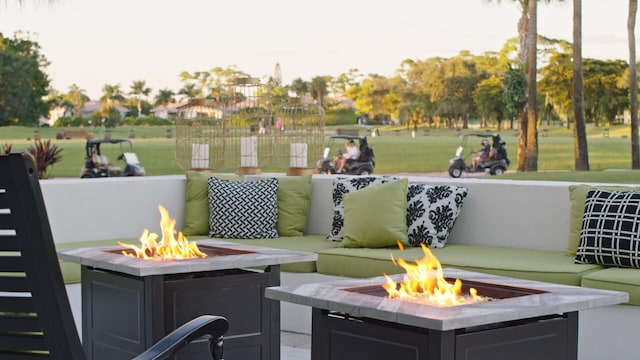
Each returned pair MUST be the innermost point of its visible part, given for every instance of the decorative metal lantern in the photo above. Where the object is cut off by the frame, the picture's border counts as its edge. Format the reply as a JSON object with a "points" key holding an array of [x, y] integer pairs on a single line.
{"points": [[199, 130], [239, 130], [299, 136]]}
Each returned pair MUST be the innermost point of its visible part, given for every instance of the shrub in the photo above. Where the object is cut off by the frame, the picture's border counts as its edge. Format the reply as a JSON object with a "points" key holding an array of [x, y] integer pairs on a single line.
{"points": [[45, 156]]}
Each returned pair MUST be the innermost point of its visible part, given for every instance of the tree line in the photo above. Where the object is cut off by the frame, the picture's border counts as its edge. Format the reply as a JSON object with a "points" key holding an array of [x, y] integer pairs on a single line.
{"points": [[493, 87]]}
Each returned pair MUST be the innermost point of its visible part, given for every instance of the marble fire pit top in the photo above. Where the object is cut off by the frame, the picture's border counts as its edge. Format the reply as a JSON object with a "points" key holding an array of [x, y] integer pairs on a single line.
{"points": [[107, 259], [557, 299]]}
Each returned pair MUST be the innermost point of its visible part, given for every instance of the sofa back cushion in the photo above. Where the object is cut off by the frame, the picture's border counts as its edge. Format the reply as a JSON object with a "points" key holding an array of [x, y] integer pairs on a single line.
{"points": [[578, 196], [196, 212], [294, 201]]}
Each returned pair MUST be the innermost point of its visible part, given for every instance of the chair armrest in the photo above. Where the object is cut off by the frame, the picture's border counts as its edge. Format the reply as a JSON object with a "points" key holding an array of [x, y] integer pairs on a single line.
{"points": [[210, 326]]}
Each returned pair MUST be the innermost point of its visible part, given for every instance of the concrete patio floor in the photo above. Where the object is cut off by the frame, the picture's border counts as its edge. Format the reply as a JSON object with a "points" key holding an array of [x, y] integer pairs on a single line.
{"points": [[295, 346]]}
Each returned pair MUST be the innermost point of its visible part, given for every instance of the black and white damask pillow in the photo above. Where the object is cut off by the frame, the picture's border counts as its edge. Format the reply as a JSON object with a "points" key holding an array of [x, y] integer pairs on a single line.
{"points": [[243, 210], [610, 233], [345, 185], [431, 213]]}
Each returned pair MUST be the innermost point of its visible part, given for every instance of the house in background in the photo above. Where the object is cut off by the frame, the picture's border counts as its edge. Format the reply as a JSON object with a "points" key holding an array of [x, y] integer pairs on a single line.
{"points": [[87, 110], [163, 111], [91, 106]]}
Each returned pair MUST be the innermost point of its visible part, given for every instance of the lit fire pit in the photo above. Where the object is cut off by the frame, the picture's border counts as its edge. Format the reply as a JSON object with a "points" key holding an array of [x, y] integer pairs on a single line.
{"points": [[129, 303], [356, 319]]}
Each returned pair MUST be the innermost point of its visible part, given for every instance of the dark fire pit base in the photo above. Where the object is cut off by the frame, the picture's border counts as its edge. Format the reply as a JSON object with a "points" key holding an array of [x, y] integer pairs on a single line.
{"points": [[336, 336], [122, 315]]}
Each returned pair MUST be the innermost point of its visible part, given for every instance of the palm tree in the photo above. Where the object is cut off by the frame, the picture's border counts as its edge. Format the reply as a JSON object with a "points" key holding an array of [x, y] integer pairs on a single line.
{"points": [[633, 84], [76, 97], [111, 94], [189, 91], [165, 97], [581, 152], [527, 159], [139, 88]]}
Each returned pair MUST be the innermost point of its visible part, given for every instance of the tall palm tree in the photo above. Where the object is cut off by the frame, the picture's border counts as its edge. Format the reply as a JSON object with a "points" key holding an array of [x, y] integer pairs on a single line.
{"points": [[580, 148], [165, 97], [76, 97], [633, 84], [527, 158], [111, 94], [138, 89]]}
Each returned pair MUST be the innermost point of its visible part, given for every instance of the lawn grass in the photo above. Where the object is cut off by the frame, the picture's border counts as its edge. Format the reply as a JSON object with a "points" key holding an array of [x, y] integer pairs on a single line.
{"points": [[396, 150]]}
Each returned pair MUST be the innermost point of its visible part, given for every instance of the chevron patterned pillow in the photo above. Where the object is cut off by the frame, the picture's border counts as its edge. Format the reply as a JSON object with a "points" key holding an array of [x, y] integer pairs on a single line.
{"points": [[243, 210]]}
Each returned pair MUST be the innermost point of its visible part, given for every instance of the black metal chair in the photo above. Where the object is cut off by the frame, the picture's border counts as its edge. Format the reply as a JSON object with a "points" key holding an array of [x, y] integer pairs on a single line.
{"points": [[35, 316]]}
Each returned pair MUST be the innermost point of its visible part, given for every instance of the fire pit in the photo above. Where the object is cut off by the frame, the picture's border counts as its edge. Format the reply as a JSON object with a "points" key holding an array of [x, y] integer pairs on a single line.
{"points": [[129, 303], [523, 320]]}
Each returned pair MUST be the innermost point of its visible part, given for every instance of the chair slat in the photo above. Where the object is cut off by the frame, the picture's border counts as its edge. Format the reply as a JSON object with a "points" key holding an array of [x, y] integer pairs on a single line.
{"points": [[9, 242], [20, 323], [4, 201], [11, 262], [5, 220], [22, 342], [14, 284], [12, 303]]}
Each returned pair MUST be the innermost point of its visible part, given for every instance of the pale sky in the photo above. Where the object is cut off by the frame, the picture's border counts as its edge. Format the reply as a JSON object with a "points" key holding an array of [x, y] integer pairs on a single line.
{"points": [[95, 42]]}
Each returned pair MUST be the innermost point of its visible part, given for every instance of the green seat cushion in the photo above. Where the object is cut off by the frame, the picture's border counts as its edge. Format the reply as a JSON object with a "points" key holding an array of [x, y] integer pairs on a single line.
{"points": [[71, 271], [307, 243], [618, 279], [549, 266], [376, 216], [196, 208]]}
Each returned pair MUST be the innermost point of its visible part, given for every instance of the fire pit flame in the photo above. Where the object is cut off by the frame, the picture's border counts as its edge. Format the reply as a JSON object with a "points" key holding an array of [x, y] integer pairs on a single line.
{"points": [[168, 248], [424, 283]]}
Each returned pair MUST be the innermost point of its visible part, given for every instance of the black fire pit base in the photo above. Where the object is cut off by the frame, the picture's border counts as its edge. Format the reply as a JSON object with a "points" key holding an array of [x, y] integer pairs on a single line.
{"points": [[337, 336], [123, 315]]}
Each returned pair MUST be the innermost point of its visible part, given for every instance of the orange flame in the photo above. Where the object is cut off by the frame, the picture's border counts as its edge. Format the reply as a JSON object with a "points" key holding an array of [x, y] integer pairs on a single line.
{"points": [[424, 283], [169, 248]]}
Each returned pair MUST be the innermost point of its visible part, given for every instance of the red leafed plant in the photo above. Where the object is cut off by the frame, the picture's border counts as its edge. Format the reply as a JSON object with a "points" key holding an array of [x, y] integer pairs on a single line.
{"points": [[45, 156], [6, 148]]}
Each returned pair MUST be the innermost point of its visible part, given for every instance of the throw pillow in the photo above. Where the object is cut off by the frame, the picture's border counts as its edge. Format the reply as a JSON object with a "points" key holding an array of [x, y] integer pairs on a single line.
{"points": [[345, 185], [610, 229], [196, 208], [375, 217], [431, 213], [294, 201], [577, 196], [243, 210]]}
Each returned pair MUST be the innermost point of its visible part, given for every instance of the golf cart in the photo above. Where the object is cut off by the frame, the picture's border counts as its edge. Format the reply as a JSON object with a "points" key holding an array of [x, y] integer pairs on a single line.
{"points": [[97, 165], [496, 164], [364, 165]]}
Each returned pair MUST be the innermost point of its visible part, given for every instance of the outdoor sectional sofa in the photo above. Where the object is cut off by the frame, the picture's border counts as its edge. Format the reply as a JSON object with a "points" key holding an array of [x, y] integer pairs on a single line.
{"points": [[523, 229]]}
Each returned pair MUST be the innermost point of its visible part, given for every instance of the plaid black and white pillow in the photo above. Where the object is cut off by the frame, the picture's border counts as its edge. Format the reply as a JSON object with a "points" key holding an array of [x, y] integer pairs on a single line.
{"points": [[243, 210], [345, 185], [431, 213], [610, 229]]}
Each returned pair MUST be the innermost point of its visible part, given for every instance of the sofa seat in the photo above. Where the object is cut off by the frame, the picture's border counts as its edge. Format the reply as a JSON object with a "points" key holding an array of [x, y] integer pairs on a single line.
{"points": [[549, 266], [618, 279], [307, 243]]}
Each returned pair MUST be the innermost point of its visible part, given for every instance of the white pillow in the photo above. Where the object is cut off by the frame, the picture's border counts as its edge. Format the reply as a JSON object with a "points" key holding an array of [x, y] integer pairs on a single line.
{"points": [[431, 212]]}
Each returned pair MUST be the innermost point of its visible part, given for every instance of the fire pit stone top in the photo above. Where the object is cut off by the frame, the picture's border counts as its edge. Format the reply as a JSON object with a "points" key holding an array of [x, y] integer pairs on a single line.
{"points": [[237, 256], [544, 299]]}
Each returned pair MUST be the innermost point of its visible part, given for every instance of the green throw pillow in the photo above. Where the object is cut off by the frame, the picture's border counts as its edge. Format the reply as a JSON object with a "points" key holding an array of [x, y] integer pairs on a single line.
{"points": [[376, 216], [196, 209], [294, 201], [578, 196]]}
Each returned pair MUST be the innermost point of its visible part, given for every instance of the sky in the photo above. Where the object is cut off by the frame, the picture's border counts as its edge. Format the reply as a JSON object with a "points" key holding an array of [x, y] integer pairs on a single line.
{"points": [[91, 43]]}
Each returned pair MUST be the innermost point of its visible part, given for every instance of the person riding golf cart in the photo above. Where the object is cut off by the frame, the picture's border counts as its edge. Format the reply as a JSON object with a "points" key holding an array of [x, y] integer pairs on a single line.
{"points": [[492, 157], [362, 165], [96, 164]]}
